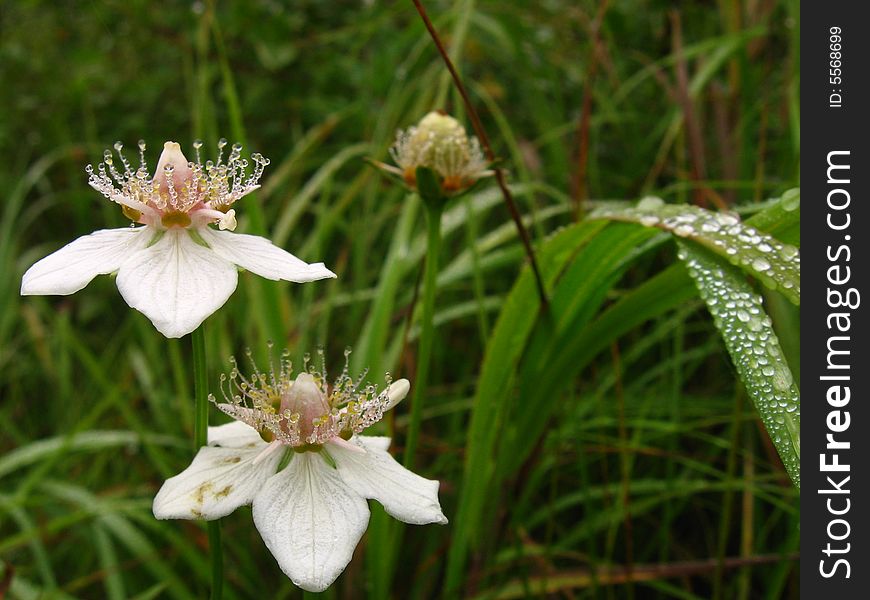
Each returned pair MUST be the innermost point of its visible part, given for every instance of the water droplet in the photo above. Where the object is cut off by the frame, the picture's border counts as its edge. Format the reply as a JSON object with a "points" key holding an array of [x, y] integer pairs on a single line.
{"points": [[788, 252], [791, 199], [650, 203], [759, 264], [710, 227]]}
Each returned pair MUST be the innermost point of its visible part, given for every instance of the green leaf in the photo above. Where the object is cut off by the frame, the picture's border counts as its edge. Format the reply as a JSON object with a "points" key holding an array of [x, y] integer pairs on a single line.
{"points": [[773, 262], [586, 260], [571, 352], [515, 324], [781, 219], [754, 348], [85, 441]]}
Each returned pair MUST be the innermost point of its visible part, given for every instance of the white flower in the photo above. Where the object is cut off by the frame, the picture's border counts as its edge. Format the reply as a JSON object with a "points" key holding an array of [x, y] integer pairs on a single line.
{"points": [[175, 269], [439, 142], [312, 513]]}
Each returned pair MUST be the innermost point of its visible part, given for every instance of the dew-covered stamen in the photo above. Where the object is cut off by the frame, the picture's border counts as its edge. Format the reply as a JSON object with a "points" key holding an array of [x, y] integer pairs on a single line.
{"points": [[180, 193], [221, 145], [260, 164], [128, 171], [302, 411], [143, 165], [169, 171], [235, 153], [109, 163]]}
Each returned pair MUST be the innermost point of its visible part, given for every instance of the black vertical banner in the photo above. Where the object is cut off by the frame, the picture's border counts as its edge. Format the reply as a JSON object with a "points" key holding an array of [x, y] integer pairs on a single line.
{"points": [[835, 341]]}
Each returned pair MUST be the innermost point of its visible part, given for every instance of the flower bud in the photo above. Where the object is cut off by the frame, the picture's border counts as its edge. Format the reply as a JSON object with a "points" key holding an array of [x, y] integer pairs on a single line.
{"points": [[440, 143], [439, 134]]}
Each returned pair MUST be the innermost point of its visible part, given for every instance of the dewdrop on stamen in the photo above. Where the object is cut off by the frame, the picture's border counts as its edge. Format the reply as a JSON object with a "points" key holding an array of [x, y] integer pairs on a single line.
{"points": [[181, 193], [304, 412]]}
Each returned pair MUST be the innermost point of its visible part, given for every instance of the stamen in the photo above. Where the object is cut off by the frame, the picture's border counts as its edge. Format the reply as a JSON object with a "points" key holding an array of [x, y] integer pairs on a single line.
{"points": [[221, 145], [127, 170], [213, 186], [143, 166], [197, 144], [261, 400]]}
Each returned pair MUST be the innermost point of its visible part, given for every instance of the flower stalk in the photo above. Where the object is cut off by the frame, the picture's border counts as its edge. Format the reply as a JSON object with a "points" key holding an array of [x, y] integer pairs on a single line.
{"points": [[434, 200], [487, 148], [200, 439]]}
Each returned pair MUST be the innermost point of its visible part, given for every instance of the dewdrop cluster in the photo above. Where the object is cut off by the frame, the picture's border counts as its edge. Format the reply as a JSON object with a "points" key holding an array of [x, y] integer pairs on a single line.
{"points": [[440, 143], [179, 190], [303, 410]]}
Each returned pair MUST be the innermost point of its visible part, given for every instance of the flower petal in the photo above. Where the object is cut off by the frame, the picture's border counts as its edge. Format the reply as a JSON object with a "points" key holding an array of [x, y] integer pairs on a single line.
{"points": [[234, 435], [375, 474], [74, 266], [176, 282], [310, 521], [378, 442], [259, 255], [217, 482]]}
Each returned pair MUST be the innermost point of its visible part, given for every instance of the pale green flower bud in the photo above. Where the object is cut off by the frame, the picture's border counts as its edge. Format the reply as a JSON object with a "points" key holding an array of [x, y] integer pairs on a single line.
{"points": [[440, 143]]}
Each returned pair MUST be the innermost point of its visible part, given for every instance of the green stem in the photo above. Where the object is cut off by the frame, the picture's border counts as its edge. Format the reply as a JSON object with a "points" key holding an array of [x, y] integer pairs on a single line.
{"points": [[200, 439], [200, 390], [427, 333]]}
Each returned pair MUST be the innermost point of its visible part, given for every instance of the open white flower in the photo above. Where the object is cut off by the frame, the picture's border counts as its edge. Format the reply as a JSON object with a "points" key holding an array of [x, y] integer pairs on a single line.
{"points": [[312, 513], [175, 269]]}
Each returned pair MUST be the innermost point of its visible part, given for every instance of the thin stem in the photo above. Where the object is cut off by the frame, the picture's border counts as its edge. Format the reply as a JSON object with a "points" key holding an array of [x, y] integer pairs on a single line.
{"points": [[487, 147], [427, 332], [200, 439], [200, 390], [217, 559]]}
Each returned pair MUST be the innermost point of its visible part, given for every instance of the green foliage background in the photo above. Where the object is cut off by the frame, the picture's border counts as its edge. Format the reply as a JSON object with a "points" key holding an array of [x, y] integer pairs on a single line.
{"points": [[644, 474]]}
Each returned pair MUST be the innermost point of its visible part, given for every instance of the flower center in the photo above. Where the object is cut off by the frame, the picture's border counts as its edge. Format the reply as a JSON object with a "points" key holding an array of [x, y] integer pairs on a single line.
{"points": [[175, 219], [181, 193], [308, 400], [302, 412]]}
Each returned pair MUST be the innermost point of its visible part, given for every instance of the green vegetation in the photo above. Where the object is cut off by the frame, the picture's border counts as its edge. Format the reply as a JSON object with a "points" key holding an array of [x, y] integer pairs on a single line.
{"points": [[604, 447]]}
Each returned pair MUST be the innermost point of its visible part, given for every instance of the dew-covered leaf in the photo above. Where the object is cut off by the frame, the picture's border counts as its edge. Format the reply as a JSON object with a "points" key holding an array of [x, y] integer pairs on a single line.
{"points": [[774, 263], [781, 219], [754, 348]]}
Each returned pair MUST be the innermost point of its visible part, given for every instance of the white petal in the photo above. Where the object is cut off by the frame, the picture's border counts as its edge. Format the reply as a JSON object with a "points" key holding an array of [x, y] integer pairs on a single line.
{"points": [[234, 435], [375, 474], [378, 442], [176, 283], [310, 520], [217, 482], [74, 266], [259, 255]]}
